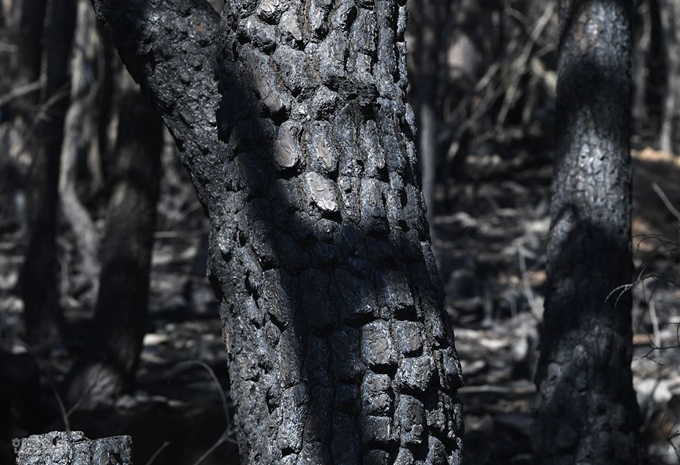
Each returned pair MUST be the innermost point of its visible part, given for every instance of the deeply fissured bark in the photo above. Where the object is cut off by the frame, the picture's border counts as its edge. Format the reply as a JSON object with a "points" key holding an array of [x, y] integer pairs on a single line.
{"points": [[332, 309]]}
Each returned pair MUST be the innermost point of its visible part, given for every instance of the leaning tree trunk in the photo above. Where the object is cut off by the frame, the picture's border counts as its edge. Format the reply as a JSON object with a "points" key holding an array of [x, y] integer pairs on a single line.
{"points": [[586, 406], [107, 365], [339, 348]]}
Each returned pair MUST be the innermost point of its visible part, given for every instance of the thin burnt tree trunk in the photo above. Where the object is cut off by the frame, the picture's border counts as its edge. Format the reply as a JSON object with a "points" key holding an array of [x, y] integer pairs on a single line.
{"points": [[642, 39], [82, 100], [670, 18], [427, 84], [109, 359], [28, 37], [21, 34], [40, 270], [586, 407], [340, 350]]}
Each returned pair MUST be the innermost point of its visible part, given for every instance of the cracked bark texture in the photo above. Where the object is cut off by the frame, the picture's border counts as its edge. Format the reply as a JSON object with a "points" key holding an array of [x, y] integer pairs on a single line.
{"points": [[304, 160], [586, 410], [73, 448]]}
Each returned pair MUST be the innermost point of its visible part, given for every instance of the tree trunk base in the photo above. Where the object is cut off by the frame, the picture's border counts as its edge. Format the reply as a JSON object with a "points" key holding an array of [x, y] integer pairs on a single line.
{"points": [[71, 448]]}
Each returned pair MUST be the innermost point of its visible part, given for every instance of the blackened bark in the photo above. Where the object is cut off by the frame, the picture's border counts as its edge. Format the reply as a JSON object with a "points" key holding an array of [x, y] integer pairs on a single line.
{"points": [[586, 406], [327, 263], [107, 365], [40, 270], [74, 447], [332, 309], [170, 49]]}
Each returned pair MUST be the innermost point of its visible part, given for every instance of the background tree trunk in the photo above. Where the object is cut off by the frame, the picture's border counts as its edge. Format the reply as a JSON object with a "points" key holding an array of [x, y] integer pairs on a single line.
{"points": [[642, 30], [39, 275], [28, 32], [109, 359], [332, 309], [21, 55], [586, 407], [670, 17], [82, 99], [430, 43]]}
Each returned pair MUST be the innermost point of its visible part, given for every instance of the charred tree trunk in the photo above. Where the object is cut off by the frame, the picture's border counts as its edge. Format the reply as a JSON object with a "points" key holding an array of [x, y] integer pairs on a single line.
{"points": [[107, 366], [343, 286], [74, 447], [40, 271], [670, 18], [21, 34], [28, 57], [642, 38], [340, 351], [83, 93], [427, 85], [586, 406]]}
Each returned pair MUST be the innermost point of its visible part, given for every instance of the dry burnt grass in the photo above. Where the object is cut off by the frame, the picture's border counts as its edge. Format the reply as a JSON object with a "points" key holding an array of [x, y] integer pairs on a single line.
{"points": [[491, 229]]}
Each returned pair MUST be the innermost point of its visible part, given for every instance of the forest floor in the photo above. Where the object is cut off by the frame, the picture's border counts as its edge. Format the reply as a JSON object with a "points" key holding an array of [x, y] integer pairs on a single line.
{"points": [[492, 260], [490, 243]]}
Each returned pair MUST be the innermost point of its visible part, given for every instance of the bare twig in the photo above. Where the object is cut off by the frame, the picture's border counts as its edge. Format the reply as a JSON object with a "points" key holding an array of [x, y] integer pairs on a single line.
{"points": [[215, 381], [20, 92], [671, 436], [520, 64], [655, 322], [229, 431], [43, 114], [621, 290], [62, 409], [665, 201], [528, 292], [157, 453], [222, 439]]}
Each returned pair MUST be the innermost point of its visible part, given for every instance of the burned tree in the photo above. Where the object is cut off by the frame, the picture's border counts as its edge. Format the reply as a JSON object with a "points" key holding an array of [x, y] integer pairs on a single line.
{"points": [[42, 314], [106, 367], [586, 410], [291, 120]]}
